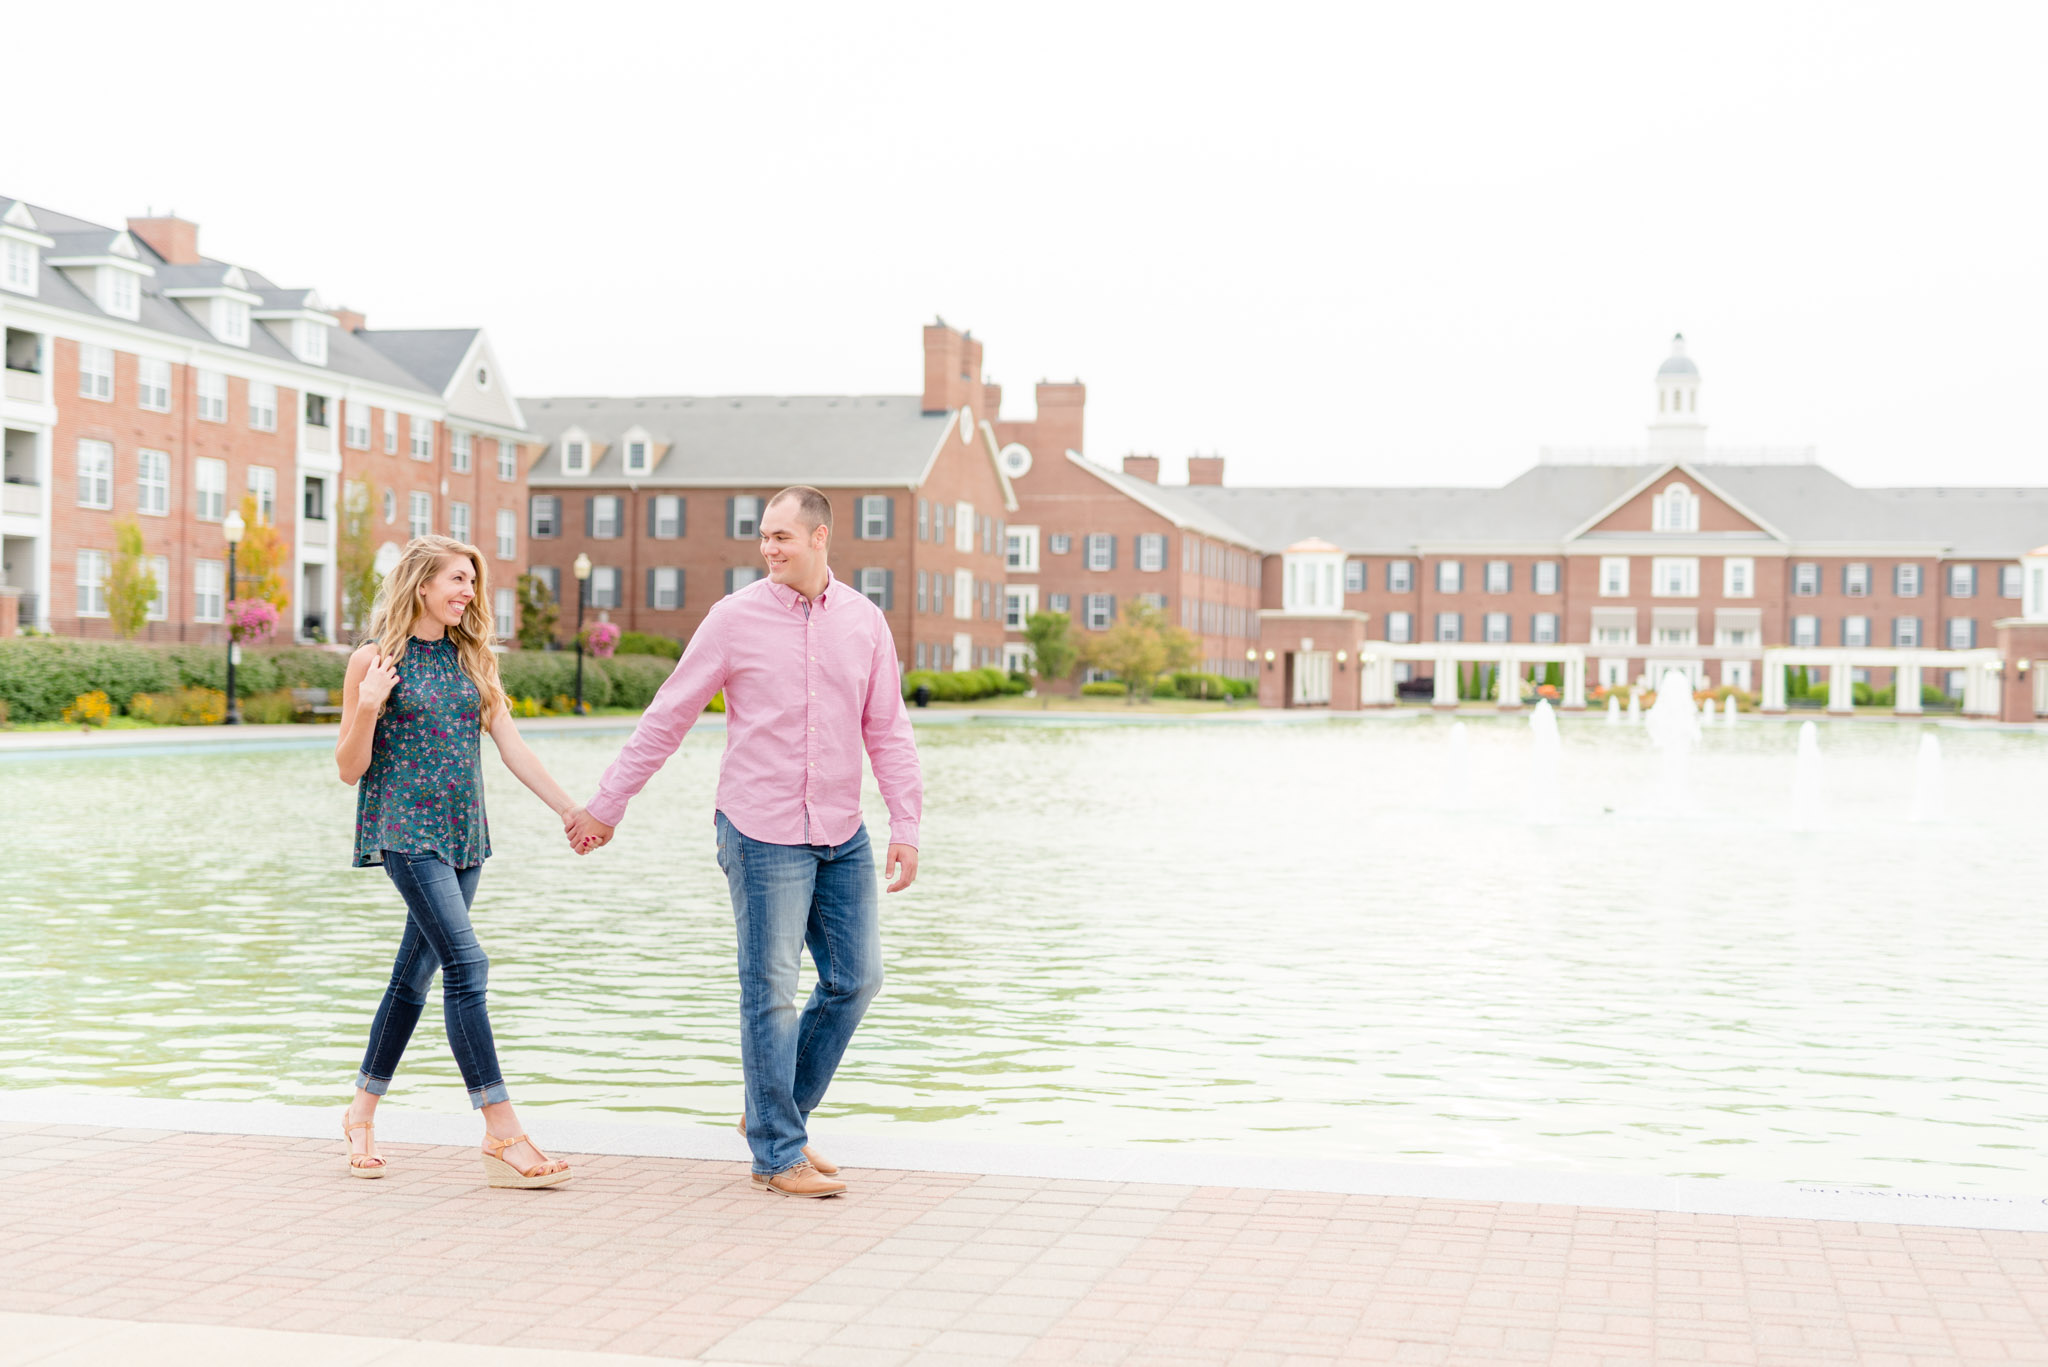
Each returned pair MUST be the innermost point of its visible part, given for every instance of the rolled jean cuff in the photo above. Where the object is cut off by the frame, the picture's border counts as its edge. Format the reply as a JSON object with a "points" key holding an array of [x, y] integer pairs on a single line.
{"points": [[375, 1086], [480, 1097]]}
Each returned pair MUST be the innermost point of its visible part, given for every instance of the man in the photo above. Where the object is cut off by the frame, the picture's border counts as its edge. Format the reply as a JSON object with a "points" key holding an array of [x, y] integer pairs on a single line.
{"points": [[809, 672]]}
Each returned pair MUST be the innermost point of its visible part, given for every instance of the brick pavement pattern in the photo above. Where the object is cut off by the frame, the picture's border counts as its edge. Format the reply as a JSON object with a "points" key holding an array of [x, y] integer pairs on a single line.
{"points": [[679, 1258]]}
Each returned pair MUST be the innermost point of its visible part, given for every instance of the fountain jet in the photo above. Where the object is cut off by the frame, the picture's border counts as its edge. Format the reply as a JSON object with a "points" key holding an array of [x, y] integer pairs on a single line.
{"points": [[1543, 751], [1806, 795], [1674, 727], [1929, 793]]}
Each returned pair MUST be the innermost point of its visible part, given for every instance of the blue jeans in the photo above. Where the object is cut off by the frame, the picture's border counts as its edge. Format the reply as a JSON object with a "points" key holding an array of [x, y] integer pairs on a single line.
{"points": [[785, 897], [437, 936]]}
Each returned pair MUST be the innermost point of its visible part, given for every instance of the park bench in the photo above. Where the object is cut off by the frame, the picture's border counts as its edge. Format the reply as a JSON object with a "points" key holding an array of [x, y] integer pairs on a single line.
{"points": [[314, 700]]}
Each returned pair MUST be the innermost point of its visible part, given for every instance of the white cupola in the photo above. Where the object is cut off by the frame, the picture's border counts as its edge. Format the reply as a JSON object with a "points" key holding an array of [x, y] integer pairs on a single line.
{"points": [[1676, 430]]}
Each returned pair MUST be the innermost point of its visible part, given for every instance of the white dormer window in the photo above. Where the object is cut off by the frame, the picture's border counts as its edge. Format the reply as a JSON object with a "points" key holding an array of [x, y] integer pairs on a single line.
{"points": [[637, 451], [1677, 510], [576, 457], [119, 292], [309, 342], [19, 266], [230, 321]]}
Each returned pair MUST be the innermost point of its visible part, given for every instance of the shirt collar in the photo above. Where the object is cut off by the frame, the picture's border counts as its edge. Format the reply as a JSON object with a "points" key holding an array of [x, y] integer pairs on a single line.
{"points": [[790, 598]]}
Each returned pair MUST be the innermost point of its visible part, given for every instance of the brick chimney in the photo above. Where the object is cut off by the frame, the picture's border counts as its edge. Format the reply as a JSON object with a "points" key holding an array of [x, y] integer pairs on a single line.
{"points": [[351, 321], [948, 367], [1205, 469], [1142, 467], [172, 238]]}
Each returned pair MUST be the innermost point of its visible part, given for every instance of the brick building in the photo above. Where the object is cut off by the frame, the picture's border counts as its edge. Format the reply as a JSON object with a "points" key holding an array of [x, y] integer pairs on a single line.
{"points": [[147, 382], [664, 494]]}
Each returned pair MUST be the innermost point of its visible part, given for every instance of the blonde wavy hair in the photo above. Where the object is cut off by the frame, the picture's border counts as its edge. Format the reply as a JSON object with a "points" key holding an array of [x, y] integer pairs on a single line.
{"points": [[399, 606]]}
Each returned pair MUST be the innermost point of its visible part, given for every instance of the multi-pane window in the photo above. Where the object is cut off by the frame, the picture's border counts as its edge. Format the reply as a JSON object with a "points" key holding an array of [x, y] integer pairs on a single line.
{"points": [[665, 517], [505, 609], [1543, 628], [210, 489], [923, 518], [743, 516], [606, 517], [95, 372], [95, 474], [1543, 576], [963, 526], [159, 608], [92, 583], [1400, 576], [550, 577], [1496, 626], [1400, 628], [1806, 631], [209, 590], [1100, 551], [316, 410], [636, 457], [1449, 627], [315, 509], [740, 576], [1962, 581], [873, 585], [458, 452], [21, 264], [458, 521], [546, 515], [1500, 576], [1855, 631], [1906, 581], [508, 459], [263, 408], [1676, 576], [508, 534], [1962, 633], [1674, 635], [213, 396], [153, 483], [122, 298], [390, 431], [604, 586], [1856, 580], [1614, 576], [1677, 509], [1354, 576], [263, 484], [1805, 579], [875, 516], [1450, 577], [421, 433], [419, 513], [355, 417], [2009, 581], [1020, 549], [1738, 577], [153, 384], [1058, 602], [1059, 543], [963, 594], [1906, 631], [1152, 552], [1099, 610], [665, 589]]}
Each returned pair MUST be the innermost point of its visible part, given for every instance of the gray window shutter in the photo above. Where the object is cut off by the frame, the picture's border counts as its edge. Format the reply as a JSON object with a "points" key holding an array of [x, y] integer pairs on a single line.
{"points": [[731, 530], [889, 521], [589, 517], [682, 515], [889, 585], [1511, 576], [1112, 565], [728, 573], [653, 506], [649, 600], [679, 585]]}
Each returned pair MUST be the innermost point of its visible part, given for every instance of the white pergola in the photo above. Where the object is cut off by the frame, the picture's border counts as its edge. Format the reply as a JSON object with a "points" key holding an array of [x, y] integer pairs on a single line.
{"points": [[1981, 679], [1376, 661]]}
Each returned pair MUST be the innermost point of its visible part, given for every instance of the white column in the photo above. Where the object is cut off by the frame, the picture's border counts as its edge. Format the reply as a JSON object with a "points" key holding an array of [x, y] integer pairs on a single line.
{"points": [[1994, 688], [1772, 684], [1906, 688], [1575, 681], [1446, 694], [1841, 696], [1510, 685]]}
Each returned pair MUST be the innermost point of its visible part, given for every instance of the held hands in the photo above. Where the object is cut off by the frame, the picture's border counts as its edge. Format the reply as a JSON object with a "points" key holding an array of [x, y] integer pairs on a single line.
{"points": [[377, 684], [901, 868], [585, 832]]}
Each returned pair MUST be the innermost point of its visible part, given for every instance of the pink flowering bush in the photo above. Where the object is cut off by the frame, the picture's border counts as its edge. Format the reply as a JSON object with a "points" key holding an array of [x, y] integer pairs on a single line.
{"points": [[604, 639], [251, 619]]}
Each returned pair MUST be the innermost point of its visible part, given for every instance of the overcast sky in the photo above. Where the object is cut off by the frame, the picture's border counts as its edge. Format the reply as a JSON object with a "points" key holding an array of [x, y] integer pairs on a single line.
{"points": [[1349, 244]]}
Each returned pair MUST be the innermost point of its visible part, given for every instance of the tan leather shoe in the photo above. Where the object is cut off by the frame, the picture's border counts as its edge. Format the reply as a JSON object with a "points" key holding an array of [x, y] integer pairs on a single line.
{"points": [[818, 1160], [801, 1180]]}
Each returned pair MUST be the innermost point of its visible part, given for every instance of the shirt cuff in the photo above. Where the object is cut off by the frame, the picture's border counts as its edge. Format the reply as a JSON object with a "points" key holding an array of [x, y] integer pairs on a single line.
{"points": [[606, 808], [900, 833]]}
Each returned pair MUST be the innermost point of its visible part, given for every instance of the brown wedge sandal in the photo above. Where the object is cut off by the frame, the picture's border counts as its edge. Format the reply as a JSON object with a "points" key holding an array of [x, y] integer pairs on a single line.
{"points": [[500, 1173], [360, 1164]]}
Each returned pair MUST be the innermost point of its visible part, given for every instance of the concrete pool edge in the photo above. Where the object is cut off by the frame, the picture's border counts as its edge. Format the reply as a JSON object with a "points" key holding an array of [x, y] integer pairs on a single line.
{"points": [[571, 1133]]}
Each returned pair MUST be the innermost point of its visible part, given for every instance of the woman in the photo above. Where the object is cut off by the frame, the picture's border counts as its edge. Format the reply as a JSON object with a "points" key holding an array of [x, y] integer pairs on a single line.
{"points": [[412, 704]]}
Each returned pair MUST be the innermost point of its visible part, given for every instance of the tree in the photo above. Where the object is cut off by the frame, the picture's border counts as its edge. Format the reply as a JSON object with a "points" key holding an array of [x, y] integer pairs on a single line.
{"points": [[260, 560], [1053, 655], [537, 614], [355, 556], [1142, 645], [131, 584]]}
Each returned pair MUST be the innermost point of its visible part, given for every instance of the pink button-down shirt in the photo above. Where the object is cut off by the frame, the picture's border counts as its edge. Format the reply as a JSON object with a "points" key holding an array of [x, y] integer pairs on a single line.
{"points": [[804, 691]]}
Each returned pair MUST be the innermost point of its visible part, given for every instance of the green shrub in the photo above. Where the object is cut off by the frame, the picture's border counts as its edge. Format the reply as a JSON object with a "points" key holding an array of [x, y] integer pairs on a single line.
{"points": [[1015, 684], [1241, 688], [550, 674], [717, 703], [1107, 688], [1194, 684], [913, 678], [183, 707], [268, 709], [41, 676], [644, 643], [636, 678]]}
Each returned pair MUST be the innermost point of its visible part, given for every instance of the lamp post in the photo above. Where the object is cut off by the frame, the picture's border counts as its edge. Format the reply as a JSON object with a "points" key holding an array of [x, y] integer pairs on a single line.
{"points": [[582, 592], [232, 528]]}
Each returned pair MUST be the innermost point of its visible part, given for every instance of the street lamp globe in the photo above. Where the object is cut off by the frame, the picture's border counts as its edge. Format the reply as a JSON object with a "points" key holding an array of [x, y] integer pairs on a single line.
{"points": [[582, 566], [232, 527]]}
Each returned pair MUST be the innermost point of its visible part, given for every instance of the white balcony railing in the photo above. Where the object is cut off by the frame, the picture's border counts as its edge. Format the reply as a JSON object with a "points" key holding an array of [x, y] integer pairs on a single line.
{"points": [[25, 386], [21, 500], [320, 439], [312, 533]]}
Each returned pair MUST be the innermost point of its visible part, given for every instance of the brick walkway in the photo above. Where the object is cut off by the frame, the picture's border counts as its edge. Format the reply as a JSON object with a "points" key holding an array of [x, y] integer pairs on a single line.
{"points": [[677, 1258]]}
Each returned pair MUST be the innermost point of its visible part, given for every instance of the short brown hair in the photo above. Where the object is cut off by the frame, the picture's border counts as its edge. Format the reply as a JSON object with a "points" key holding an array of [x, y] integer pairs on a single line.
{"points": [[813, 507]]}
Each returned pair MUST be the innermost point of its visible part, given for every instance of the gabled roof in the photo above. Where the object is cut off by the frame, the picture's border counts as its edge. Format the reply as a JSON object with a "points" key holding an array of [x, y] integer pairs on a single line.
{"points": [[747, 440], [1978, 524], [430, 355], [1169, 502]]}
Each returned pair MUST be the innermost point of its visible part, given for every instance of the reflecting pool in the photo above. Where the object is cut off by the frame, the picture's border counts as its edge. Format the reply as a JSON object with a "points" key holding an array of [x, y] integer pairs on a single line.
{"points": [[1342, 938]]}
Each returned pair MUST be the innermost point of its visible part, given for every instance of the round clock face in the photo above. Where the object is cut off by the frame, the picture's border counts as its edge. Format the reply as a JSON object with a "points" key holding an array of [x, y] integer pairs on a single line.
{"points": [[1016, 460], [966, 425]]}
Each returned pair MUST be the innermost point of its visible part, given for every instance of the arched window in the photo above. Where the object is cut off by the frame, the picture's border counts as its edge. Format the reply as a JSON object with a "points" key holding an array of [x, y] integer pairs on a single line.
{"points": [[1677, 510]]}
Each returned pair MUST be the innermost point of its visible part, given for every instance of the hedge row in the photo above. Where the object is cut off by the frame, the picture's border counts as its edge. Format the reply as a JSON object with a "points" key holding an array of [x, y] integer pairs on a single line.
{"points": [[40, 677]]}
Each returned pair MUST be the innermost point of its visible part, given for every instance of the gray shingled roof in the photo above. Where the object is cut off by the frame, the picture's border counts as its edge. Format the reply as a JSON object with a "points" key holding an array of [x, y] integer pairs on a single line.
{"points": [[430, 353], [746, 440], [1194, 513], [1984, 523]]}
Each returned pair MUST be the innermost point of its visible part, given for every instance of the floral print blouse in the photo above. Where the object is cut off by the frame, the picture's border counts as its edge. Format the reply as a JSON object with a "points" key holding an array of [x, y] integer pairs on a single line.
{"points": [[423, 792]]}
